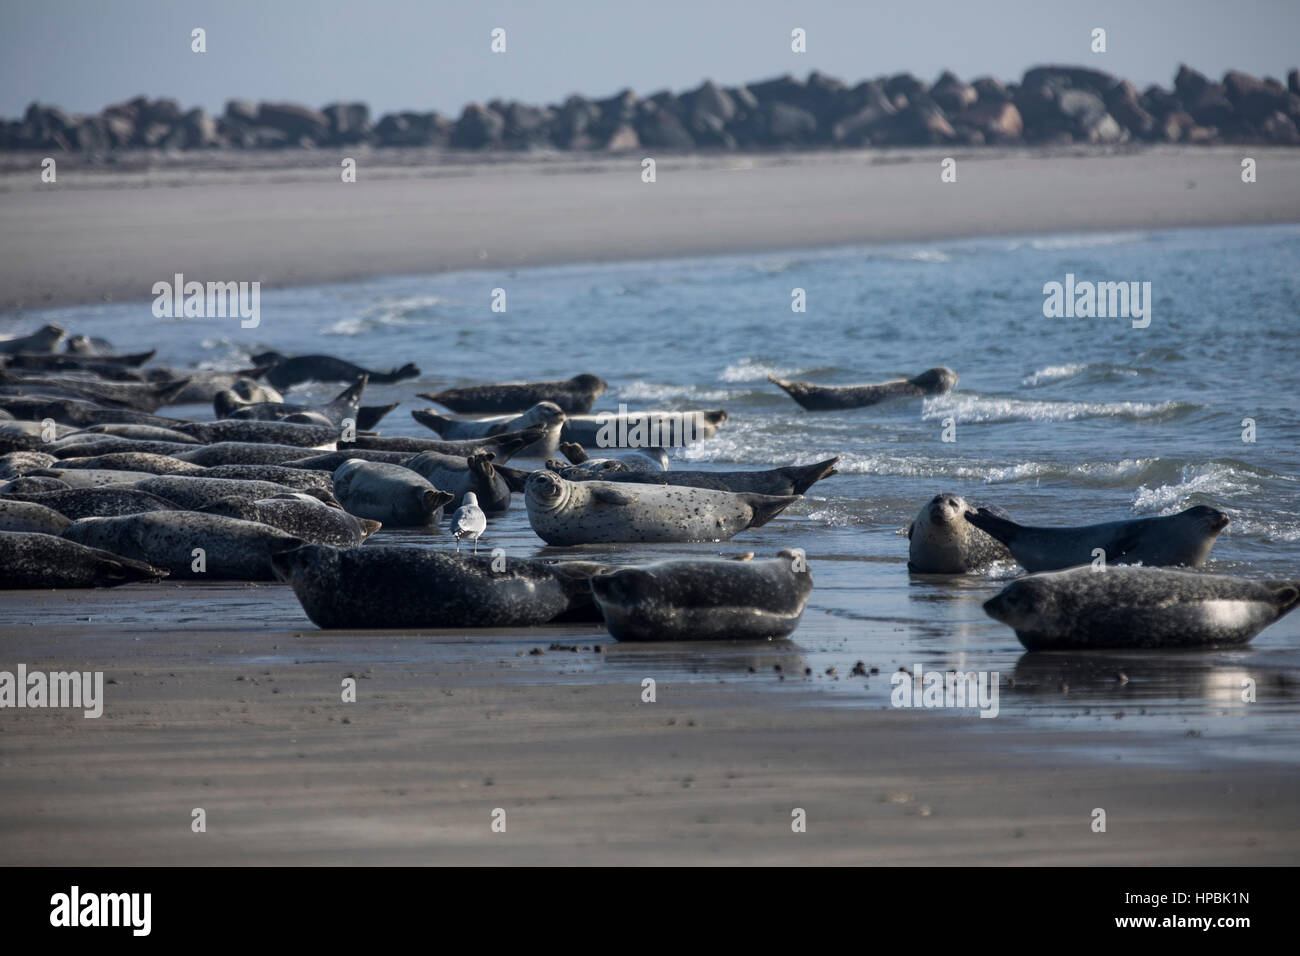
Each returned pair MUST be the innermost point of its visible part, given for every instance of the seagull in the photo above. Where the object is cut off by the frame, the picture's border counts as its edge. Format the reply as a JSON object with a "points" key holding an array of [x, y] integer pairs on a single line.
{"points": [[469, 521]]}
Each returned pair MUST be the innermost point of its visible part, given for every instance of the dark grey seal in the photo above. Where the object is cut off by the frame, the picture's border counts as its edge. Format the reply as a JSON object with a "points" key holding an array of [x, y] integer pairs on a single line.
{"points": [[42, 561], [817, 398], [575, 396]]}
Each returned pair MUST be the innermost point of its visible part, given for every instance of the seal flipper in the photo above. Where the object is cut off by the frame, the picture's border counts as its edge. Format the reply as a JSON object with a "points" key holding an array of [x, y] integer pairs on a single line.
{"points": [[1286, 594], [368, 416], [515, 478], [767, 507], [803, 477], [613, 496], [1003, 529], [430, 419], [574, 452]]}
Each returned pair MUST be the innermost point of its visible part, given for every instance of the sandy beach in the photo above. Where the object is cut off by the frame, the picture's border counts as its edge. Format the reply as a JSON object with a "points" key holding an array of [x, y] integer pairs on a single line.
{"points": [[224, 697], [247, 723], [108, 236]]}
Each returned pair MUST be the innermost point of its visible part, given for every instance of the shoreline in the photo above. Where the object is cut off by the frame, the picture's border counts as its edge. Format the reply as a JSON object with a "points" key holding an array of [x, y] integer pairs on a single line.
{"points": [[97, 235]]}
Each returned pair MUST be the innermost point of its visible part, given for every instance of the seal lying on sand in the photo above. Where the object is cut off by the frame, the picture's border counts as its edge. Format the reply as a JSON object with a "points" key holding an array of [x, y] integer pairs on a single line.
{"points": [[44, 339], [242, 453], [818, 398], [652, 429], [199, 492], [277, 433], [108, 502], [460, 476], [31, 485], [138, 433], [941, 542], [228, 404], [390, 587], [232, 550], [504, 446], [791, 480], [301, 516], [705, 600], [544, 414], [29, 516], [132, 461], [299, 479], [635, 459], [391, 494], [42, 561], [582, 512], [1185, 538], [574, 396], [286, 372], [1114, 607]]}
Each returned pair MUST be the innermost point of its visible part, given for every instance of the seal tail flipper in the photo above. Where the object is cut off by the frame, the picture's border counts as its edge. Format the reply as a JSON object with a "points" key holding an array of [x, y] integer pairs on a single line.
{"points": [[434, 500], [430, 419], [369, 527], [368, 416], [1286, 594], [351, 395], [1003, 529], [574, 452], [394, 375], [767, 507], [795, 390], [481, 465], [803, 477], [515, 441]]}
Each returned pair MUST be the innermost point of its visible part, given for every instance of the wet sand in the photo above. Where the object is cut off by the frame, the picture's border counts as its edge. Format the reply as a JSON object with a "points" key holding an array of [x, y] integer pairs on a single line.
{"points": [[223, 697], [99, 235]]}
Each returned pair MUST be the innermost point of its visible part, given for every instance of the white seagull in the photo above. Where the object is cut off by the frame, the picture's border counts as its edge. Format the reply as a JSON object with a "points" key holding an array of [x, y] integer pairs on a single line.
{"points": [[469, 521]]}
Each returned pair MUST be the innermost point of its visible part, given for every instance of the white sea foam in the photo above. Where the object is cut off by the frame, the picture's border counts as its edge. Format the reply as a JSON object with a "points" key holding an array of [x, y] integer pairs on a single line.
{"points": [[975, 409], [1052, 373], [659, 392], [1211, 479], [752, 370]]}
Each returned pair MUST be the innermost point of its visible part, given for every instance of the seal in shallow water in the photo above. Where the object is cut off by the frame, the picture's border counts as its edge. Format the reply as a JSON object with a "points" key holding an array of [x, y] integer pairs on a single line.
{"points": [[705, 599], [1185, 538], [547, 415], [942, 542], [1128, 607], [391, 587], [582, 512], [791, 480], [818, 398], [42, 561], [286, 372]]}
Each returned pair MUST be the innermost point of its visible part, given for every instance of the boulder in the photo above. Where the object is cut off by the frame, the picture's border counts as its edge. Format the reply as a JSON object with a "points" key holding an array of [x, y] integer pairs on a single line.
{"points": [[296, 122], [952, 94], [996, 122], [478, 126], [657, 127], [348, 122]]}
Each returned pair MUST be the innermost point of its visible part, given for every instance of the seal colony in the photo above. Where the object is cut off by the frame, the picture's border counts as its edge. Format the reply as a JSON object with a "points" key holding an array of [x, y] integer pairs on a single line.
{"points": [[100, 488]]}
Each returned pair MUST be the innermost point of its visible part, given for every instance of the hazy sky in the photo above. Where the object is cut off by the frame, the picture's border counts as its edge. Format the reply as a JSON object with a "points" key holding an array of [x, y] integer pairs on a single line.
{"points": [[430, 54]]}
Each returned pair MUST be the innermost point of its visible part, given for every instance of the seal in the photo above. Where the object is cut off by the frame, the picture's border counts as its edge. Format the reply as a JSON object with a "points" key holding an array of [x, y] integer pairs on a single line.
{"points": [[651, 429], [393, 587], [461, 476], [705, 599], [790, 480], [574, 396], [391, 494], [301, 516], [286, 372], [197, 493], [91, 477], [44, 339], [583, 512], [108, 502], [88, 446], [29, 516], [29, 484], [941, 542], [76, 411], [637, 459], [504, 446], [132, 461], [330, 461], [1137, 607], [139, 396], [15, 464], [546, 415], [138, 433], [42, 561], [278, 433], [231, 549], [1182, 539], [818, 398], [201, 387], [299, 479], [242, 453], [345, 405]]}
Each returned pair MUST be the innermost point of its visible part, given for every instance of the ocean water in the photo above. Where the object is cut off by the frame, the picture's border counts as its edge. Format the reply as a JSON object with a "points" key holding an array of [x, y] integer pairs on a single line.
{"points": [[1057, 420]]}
